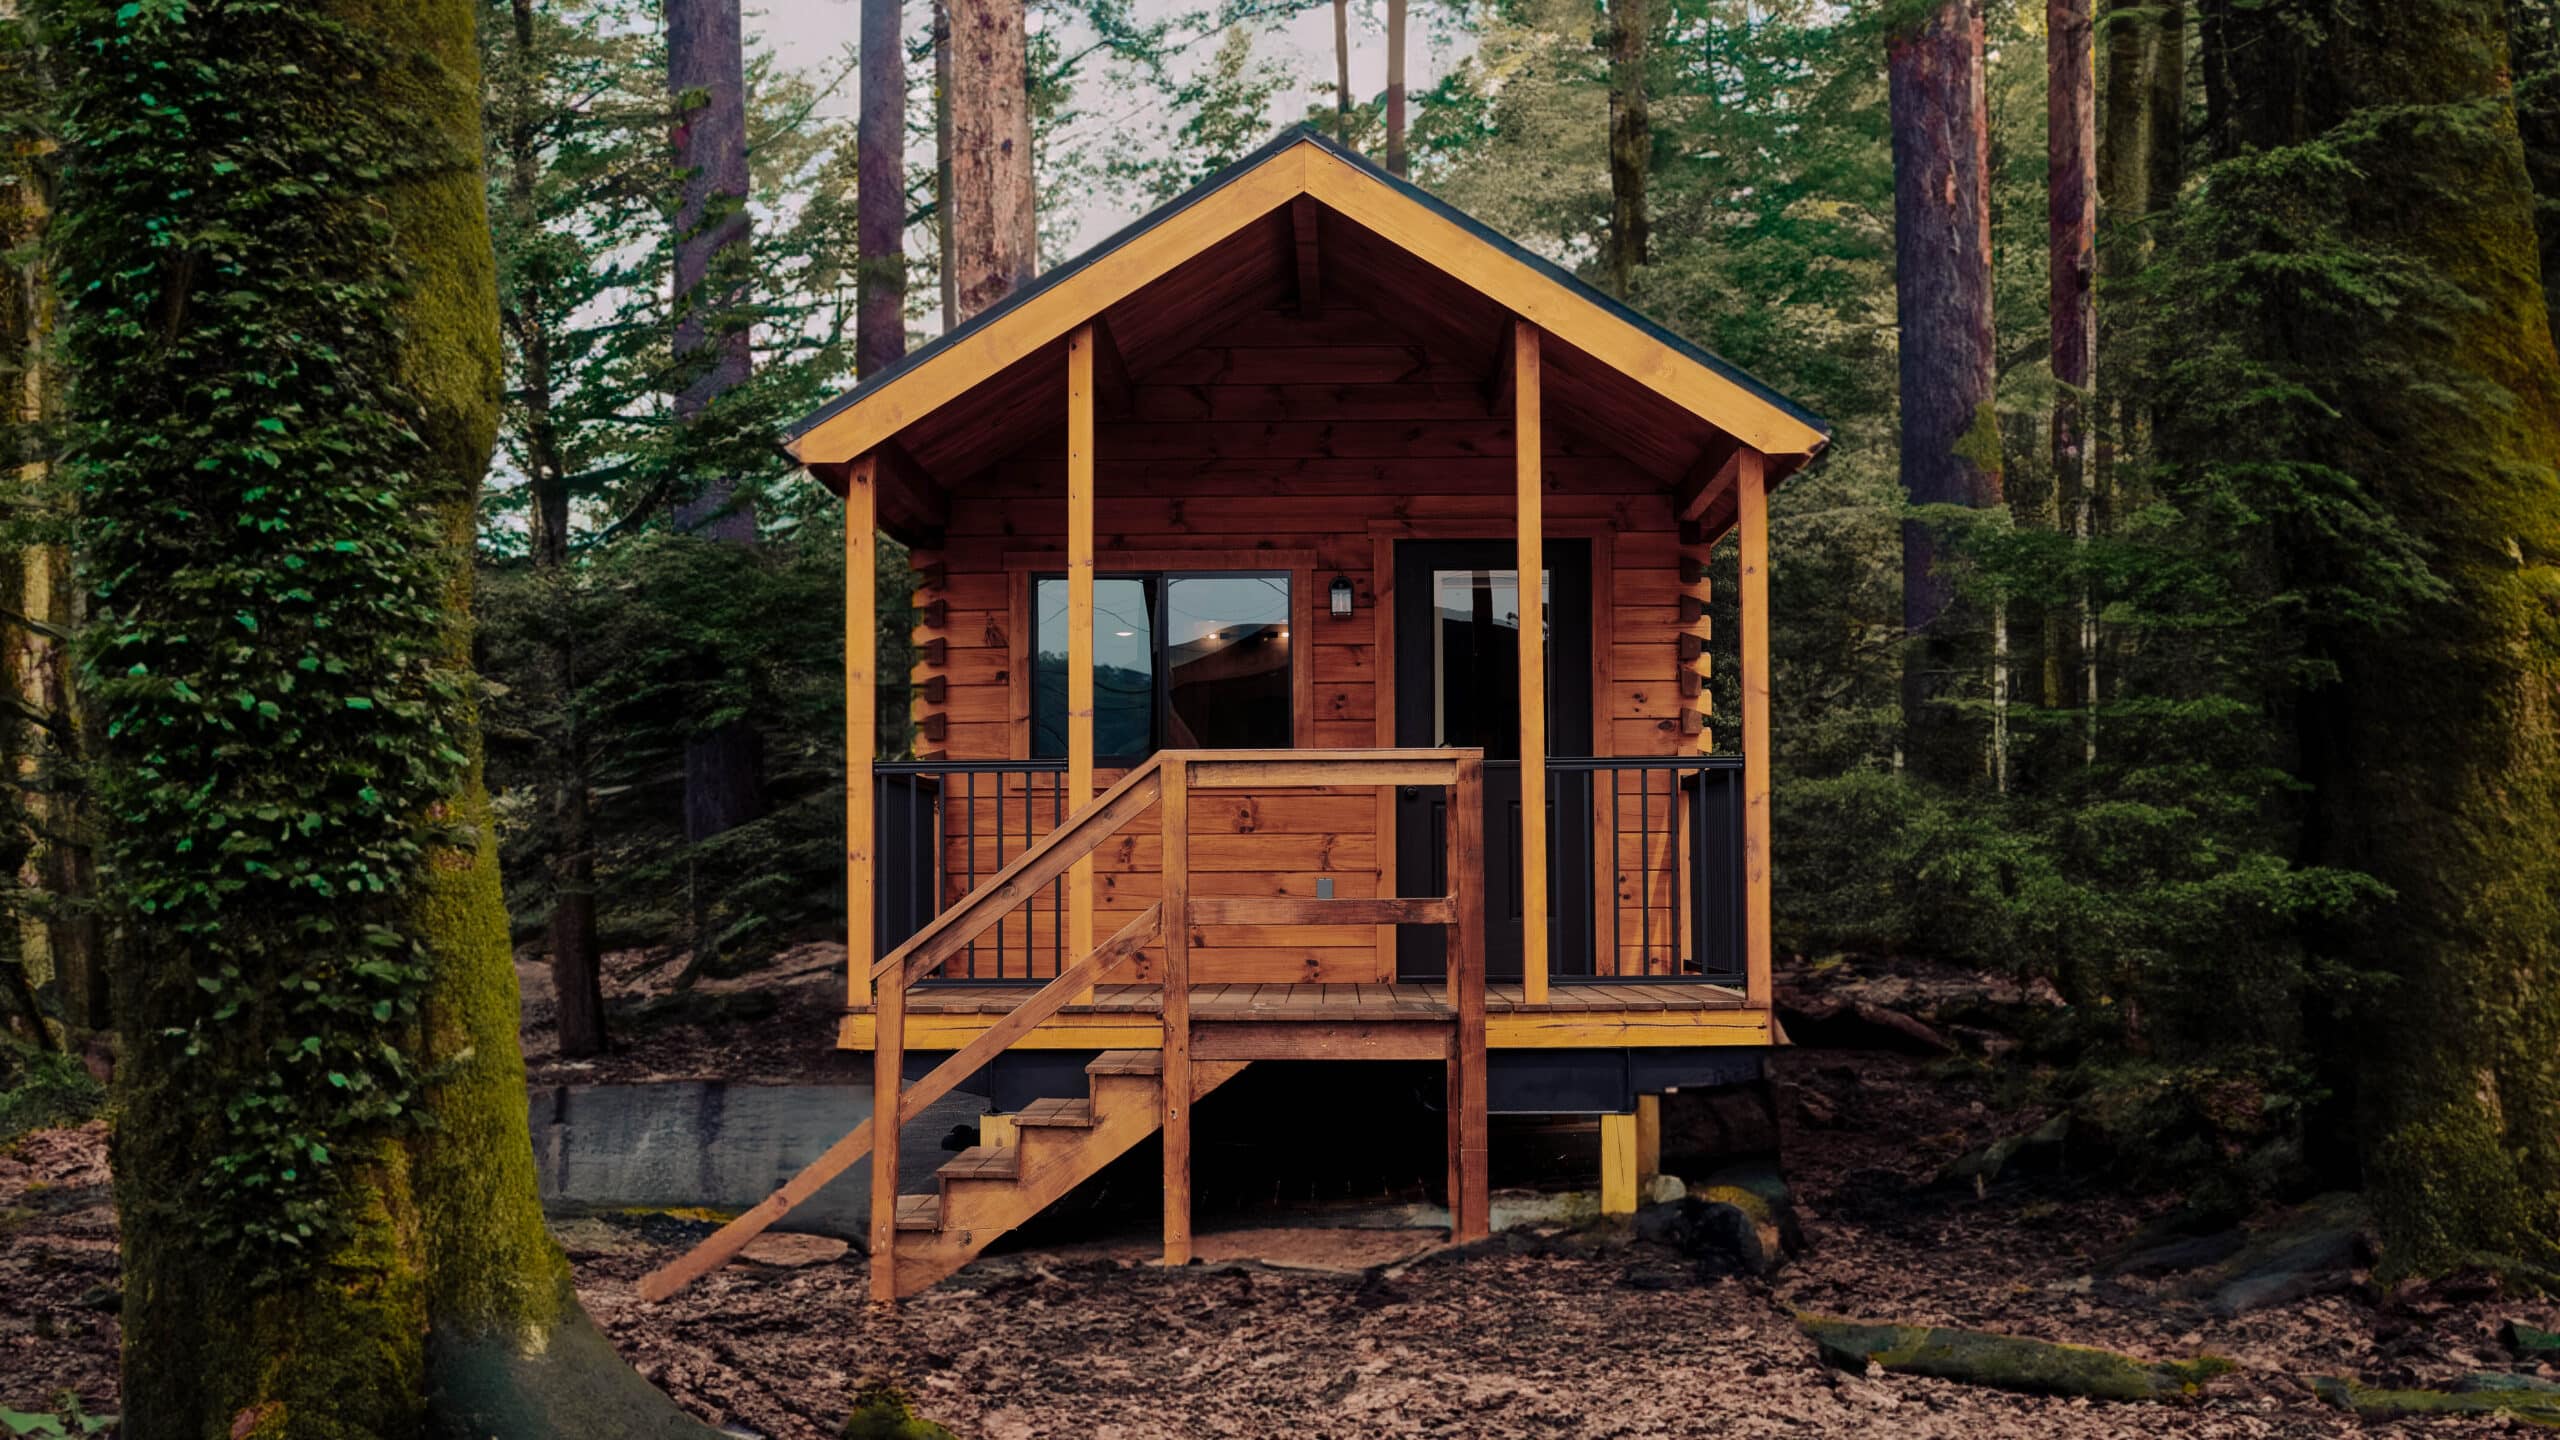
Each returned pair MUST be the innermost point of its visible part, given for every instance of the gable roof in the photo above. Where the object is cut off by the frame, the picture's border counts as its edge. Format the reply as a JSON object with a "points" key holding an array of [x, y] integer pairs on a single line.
{"points": [[1193, 233]]}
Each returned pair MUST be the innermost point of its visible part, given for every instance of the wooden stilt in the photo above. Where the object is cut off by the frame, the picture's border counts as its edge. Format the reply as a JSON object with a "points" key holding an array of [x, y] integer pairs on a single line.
{"points": [[888, 1058], [1617, 1164], [1470, 1197], [1648, 1137]]}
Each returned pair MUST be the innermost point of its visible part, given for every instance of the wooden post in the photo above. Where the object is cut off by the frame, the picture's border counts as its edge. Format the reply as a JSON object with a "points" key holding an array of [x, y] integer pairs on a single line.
{"points": [[1528, 445], [1617, 1164], [861, 719], [1648, 1137], [1174, 801], [1751, 490], [1470, 1198], [888, 1059], [1080, 486]]}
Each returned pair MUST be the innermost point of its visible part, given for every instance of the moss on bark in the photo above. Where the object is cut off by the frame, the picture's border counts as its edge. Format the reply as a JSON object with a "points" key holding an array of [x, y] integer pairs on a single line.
{"points": [[2437, 756], [429, 1298], [2006, 1362]]}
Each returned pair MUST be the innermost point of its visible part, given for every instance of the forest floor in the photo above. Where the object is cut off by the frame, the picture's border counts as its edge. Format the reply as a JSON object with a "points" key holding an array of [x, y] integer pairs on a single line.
{"points": [[1337, 1332]]}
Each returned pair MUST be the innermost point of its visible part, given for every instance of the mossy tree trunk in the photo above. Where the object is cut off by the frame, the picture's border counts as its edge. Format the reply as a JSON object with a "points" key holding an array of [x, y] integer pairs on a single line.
{"points": [[2436, 756], [284, 411], [1629, 29]]}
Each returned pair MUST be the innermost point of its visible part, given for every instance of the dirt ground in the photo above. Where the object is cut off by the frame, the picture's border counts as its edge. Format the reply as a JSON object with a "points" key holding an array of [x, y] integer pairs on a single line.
{"points": [[1316, 1332]]}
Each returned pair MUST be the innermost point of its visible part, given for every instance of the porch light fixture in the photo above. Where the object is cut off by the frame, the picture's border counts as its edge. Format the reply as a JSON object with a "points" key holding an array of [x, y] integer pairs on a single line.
{"points": [[1340, 593]]}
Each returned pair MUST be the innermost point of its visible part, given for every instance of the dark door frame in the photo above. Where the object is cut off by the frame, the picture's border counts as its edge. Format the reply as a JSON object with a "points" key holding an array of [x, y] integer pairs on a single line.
{"points": [[1581, 566]]}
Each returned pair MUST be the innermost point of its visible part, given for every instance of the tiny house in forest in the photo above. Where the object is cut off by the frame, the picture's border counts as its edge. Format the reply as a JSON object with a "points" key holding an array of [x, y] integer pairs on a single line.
{"points": [[1239, 736]]}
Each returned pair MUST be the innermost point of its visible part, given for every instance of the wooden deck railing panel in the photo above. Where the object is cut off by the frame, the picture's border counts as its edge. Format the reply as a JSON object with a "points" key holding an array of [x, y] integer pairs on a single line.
{"points": [[1170, 776]]}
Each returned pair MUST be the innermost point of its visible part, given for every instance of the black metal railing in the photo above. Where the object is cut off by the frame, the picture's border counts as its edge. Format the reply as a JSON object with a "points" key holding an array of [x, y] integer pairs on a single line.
{"points": [[1644, 867], [945, 826]]}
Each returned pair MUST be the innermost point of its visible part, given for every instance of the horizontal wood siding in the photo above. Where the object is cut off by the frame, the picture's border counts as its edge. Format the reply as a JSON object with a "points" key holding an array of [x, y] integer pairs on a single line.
{"points": [[1295, 444]]}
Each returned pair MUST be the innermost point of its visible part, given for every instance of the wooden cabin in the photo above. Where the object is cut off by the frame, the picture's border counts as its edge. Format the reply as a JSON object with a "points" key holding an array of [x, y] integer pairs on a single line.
{"points": [[1233, 742]]}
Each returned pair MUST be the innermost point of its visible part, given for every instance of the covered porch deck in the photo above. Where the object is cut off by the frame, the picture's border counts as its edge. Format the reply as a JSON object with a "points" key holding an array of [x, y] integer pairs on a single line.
{"points": [[1315, 1021]]}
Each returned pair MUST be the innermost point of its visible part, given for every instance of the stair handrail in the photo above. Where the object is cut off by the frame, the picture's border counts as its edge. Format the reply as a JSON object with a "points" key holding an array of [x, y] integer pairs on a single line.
{"points": [[1047, 859], [1051, 856]]}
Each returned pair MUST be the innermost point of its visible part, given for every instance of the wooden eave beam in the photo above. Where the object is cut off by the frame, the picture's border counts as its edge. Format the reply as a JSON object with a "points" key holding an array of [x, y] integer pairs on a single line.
{"points": [[1502, 376], [1710, 481], [1303, 231], [1111, 395], [909, 502]]}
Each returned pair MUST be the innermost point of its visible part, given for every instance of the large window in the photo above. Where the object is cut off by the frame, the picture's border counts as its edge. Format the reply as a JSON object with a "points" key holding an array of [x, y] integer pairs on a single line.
{"points": [[1179, 660]]}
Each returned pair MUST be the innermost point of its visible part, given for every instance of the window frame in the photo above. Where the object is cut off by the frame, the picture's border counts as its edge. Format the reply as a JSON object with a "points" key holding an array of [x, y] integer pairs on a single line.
{"points": [[1160, 703]]}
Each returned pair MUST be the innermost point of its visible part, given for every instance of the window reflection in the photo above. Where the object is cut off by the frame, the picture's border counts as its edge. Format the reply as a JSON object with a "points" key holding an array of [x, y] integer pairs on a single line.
{"points": [[1226, 658], [1475, 630], [1184, 660]]}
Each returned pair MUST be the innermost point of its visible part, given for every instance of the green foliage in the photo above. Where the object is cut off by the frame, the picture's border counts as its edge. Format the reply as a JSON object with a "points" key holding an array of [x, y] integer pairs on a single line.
{"points": [[43, 1090], [267, 580], [881, 1412], [67, 1420]]}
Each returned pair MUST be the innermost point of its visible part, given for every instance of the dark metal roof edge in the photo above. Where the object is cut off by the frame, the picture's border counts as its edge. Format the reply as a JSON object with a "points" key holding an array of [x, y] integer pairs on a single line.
{"points": [[1292, 136]]}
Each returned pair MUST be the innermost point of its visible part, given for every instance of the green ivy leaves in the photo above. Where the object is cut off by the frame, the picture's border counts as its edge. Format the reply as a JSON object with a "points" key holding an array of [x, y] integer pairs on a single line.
{"points": [[270, 640]]}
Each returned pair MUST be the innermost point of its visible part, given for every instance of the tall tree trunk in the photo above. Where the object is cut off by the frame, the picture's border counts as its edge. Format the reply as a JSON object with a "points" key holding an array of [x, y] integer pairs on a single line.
{"points": [[51, 907], [1630, 143], [990, 153], [1395, 87], [706, 75], [880, 224], [2436, 756], [424, 1294], [577, 971], [1942, 288], [2071, 214], [2165, 108], [950, 261], [2533, 27], [1342, 72]]}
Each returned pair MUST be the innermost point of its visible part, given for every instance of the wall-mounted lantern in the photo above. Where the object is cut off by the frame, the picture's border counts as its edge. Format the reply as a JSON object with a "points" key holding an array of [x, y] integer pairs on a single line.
{"points": [[1341, 596]]}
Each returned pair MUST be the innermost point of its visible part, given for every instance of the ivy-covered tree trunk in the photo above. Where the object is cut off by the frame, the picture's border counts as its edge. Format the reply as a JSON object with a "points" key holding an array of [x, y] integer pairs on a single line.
{"points": [[2436, 755], [1950, 437], [284, 365]]}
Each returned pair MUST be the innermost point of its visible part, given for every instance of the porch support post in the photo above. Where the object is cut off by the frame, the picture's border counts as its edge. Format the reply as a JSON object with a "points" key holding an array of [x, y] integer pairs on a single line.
{"points": [[1752, 491], [1080, 382], [1528, 444], [861, 719], [1173, 802]]}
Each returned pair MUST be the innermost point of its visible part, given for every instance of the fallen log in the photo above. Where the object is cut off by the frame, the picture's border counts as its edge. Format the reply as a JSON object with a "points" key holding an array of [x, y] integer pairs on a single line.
{"points": [[2006, 1362]]}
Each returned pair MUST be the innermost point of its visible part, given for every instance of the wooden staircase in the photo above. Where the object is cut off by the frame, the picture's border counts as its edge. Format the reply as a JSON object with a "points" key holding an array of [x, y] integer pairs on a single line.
{"points": [[916, 1240], [1055, 1145]]}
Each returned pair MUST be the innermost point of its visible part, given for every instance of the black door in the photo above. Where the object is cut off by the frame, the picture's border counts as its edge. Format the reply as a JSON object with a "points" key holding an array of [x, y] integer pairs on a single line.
{"points": [[1458, 683]]}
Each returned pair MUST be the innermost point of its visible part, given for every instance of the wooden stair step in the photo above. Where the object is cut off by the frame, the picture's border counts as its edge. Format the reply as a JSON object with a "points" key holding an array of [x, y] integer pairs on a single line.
{"points": [[1127, 1062], [919, 1212], [1070, 1114], [983, 1162]]}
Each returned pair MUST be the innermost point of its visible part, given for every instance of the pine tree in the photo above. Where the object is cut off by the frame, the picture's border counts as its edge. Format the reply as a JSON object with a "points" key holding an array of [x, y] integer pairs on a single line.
{"points": [[1950, 432], [2417, 334], [991, 218]]}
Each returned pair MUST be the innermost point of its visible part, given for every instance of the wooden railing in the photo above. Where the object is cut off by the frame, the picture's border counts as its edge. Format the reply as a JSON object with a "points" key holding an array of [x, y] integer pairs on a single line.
{"points": [[1166, 780]]}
